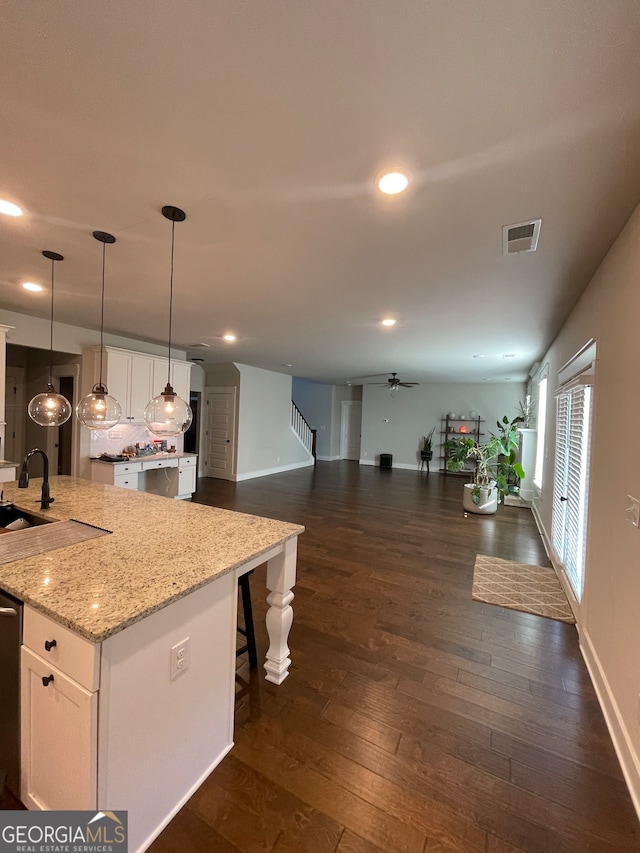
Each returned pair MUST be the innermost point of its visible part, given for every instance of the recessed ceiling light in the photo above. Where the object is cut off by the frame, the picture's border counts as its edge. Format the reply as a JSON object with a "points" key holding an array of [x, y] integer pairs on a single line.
{"points": [[32, 286], [392, 183], [388, 321], [229, 338], [10, 209]]}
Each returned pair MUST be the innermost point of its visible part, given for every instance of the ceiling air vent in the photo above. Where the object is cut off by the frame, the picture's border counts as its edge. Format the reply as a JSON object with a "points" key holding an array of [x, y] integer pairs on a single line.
{"points": [[522, 237], [199, 345]]}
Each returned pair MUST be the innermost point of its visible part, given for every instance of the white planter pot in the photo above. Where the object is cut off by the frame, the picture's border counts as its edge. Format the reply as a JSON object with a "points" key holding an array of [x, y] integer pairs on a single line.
{"points": [[488, 503]]}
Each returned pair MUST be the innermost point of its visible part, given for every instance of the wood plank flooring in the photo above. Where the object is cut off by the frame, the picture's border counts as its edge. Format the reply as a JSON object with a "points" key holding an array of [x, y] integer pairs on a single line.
{"points": [[414, 720]]}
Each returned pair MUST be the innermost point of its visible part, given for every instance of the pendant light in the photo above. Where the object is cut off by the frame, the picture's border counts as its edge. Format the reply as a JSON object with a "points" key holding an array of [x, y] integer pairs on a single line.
{"points": [[168, 414], [50, 409], [99, 410]]}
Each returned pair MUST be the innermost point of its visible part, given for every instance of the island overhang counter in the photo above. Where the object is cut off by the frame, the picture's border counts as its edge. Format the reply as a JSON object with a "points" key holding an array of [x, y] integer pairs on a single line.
{"points": [[119, 726]]}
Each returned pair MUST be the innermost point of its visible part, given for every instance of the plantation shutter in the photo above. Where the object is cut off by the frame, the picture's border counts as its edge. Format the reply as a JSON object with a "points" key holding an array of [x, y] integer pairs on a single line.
{"points": [[560, 477], [571, 480], [577, 485]]}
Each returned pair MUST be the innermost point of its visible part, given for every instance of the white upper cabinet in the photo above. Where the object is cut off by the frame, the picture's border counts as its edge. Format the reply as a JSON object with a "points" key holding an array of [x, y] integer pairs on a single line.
{"points": [[180, 377]]}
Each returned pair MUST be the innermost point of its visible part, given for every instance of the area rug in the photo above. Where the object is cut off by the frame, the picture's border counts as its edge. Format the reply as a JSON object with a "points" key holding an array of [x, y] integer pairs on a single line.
{"points": [[531, 589]]}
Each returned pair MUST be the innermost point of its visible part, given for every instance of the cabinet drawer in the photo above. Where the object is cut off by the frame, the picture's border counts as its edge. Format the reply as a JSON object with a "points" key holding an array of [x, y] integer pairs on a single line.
{"points": [[187, 462], [127, 468], [150, 464], [126, 481], [72, 654]]}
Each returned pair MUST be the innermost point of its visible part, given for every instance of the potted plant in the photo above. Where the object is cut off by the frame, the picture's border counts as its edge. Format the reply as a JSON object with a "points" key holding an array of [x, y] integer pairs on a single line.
{"points": [[426, 450], [495, 466]]}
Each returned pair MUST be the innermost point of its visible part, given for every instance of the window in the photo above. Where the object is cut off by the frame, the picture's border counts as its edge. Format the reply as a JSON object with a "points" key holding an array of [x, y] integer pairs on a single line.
{"points": [[571, 476], [571, 482], [541, 421]]}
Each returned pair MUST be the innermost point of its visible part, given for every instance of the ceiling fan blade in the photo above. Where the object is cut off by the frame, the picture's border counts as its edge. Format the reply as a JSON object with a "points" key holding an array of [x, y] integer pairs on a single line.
{"points": [[378, 383], [408, 384]]}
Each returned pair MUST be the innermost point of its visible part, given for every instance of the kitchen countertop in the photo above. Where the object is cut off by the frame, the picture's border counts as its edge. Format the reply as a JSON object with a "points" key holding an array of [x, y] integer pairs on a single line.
{"points": [[145, 458], [159, 551], [4, 463]]}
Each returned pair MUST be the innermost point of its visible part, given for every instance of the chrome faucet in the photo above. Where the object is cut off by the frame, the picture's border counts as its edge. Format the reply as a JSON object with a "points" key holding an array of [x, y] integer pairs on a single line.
{"points": [[45, 498]]}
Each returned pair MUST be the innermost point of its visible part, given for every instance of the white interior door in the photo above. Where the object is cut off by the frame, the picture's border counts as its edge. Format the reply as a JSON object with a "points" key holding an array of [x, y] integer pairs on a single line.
{"points": [[220, 432], [351, 424]]}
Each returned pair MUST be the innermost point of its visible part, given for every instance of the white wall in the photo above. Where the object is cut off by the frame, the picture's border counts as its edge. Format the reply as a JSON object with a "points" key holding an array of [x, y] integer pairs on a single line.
{"points": [[35, 332], [609, 624], [266, 442], [395, 424]]}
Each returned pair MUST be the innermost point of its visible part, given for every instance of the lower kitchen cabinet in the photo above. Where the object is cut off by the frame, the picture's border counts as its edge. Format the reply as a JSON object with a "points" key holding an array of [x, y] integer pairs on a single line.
{"points": [[136, 734], [170, 476], [59, 737]]}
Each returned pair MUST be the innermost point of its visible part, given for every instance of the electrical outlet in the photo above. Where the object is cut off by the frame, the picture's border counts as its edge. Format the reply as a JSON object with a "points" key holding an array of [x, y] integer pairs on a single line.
{"points": [[180, 654], [633, 510]]}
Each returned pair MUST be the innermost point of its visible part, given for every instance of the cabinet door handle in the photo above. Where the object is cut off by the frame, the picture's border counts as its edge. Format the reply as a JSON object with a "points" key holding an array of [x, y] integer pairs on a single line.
{"points": [[46, 680], [8, 611], [49, 644]]}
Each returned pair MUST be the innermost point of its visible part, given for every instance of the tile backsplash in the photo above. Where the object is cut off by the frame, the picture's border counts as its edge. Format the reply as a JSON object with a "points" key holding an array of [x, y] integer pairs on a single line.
{"points": [[120, 436]]}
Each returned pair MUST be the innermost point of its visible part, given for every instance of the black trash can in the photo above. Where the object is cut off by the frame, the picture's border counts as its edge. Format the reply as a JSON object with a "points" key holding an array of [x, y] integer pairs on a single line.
{"points": [[386, 460]]}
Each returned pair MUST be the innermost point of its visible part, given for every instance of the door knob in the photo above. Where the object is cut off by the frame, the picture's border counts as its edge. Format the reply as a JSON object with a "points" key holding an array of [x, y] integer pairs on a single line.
{"points": [[564, 499]]}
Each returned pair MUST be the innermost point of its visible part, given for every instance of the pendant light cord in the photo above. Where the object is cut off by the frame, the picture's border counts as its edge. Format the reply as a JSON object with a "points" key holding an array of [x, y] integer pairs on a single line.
{"points": [[51, 336], [104, 250], [173, 228]]}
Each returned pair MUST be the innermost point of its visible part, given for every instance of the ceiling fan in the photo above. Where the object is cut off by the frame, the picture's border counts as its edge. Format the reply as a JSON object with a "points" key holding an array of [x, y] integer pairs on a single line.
{"points": [[393, 382]]}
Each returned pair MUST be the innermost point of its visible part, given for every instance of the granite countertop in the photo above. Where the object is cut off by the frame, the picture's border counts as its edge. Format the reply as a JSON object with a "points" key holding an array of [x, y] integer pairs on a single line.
{"points": [[4, 463], [145, 458], [159, 551]]}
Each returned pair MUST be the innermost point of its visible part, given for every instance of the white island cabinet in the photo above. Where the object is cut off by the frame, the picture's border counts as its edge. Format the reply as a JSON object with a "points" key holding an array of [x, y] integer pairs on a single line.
{"points": [[128, 656]]}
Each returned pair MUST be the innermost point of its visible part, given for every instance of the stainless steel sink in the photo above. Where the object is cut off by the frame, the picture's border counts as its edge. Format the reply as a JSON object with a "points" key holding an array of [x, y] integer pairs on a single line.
{"points": [[7, 515]]}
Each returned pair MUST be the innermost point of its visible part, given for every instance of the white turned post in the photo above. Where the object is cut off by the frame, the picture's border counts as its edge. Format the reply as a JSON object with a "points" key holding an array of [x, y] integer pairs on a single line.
{"points": [[281, 576]]}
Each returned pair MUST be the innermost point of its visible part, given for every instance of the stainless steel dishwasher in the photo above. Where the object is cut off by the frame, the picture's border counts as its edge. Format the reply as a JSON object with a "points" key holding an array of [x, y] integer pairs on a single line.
{"points": [[10, 641]]}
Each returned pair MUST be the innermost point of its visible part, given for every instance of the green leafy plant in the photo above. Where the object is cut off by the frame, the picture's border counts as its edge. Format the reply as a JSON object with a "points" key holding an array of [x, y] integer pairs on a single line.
{"points": [[496, 465], [427, 441]]}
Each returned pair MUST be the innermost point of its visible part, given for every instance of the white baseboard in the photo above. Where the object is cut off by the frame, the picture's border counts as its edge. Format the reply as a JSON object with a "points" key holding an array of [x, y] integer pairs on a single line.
{"points": [[622, 743], [406, 466], [264, 472], [328, 458]]}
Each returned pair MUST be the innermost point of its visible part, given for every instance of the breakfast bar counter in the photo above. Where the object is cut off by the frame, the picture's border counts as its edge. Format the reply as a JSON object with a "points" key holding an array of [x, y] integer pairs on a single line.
{"points": [[157, 551], [128, 654]]}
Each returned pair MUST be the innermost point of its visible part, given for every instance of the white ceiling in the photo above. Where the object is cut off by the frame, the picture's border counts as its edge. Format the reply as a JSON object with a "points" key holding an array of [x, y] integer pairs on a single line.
{"points": [[268, 121]]}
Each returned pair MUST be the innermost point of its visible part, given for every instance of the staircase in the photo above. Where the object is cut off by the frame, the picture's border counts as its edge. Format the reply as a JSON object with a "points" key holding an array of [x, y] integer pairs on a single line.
{"points": [[305, 433]]}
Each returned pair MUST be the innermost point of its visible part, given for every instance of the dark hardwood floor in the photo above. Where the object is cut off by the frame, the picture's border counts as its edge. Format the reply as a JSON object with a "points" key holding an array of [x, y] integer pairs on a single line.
{"points": [[414, 719]]}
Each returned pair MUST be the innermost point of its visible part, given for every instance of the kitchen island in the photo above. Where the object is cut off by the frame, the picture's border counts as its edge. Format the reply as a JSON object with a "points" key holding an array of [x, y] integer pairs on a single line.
{"points": [[137, 628]]}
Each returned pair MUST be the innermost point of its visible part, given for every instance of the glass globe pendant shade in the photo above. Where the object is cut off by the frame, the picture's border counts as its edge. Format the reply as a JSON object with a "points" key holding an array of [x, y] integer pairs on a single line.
{"points": [[167, 414], [50, 409], [98, 410]]}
